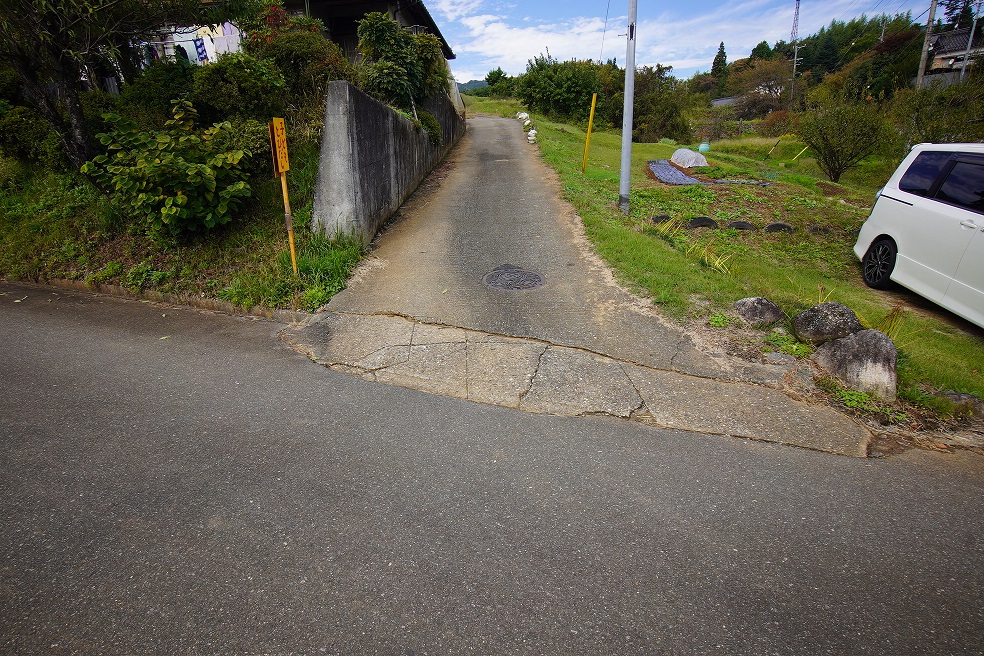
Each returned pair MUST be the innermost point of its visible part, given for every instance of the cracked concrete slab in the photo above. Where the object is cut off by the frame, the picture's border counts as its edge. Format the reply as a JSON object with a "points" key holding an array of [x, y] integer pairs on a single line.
{"points": [[743, 410], [500, 372], [571, 382], [435, 368], [547, 378]]}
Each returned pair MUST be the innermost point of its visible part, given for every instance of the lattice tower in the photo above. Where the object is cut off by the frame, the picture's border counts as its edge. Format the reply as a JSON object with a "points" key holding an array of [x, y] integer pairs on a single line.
{"points": [[794, 35]]}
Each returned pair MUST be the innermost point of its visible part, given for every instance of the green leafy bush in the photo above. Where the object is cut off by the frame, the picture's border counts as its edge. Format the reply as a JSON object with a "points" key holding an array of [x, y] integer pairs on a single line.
{"points": [[307, 60], [404, 68], [24, 135], [147, 99], [239, 85], [176, 179], [249, 136], [432, 127]]}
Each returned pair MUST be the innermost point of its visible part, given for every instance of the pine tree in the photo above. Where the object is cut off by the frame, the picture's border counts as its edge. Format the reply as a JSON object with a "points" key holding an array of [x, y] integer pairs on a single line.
{"points": [[719, 68]]}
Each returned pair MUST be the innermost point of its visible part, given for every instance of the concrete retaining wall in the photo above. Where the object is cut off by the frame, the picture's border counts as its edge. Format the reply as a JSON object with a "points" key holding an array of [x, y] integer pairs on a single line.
{"points": [[372, 159]]}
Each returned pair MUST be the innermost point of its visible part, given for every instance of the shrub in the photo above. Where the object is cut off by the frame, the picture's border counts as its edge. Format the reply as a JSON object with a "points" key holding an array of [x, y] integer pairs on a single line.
{"points": [[841, 134], [249, 136], [388, 82], [239, 85], [405, 68], [25, 136], [177, 179], [307, 60], [777, 123], [10, 85], [432, 127], [147, 99], [95, 104]]}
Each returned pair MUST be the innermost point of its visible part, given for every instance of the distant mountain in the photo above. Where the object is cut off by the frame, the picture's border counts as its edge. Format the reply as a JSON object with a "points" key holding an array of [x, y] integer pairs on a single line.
{"points": [[473, 84]]}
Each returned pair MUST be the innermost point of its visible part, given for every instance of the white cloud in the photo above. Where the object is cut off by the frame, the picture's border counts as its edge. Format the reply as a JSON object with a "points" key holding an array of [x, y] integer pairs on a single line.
{"points": [[684, 38], [454, 10]]}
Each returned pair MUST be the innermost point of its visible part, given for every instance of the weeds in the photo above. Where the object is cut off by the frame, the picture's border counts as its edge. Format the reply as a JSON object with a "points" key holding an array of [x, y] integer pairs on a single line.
{"points": [[719, 320], [783, 342]]}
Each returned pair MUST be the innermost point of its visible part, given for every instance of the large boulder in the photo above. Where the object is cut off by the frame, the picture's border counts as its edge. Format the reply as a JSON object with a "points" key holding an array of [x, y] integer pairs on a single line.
{"points": [[864, 361], [687, 159], [759, 311], [825, 322]]}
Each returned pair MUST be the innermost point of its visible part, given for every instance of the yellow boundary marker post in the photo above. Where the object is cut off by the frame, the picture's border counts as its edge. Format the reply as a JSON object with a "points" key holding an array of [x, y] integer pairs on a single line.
{"points": [[800, 153], [281, 164], [587, 141]]}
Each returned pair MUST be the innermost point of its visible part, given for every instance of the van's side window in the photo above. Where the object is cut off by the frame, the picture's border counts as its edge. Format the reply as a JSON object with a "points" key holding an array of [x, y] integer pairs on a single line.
{"points": [[923, 171], [964, 186]]}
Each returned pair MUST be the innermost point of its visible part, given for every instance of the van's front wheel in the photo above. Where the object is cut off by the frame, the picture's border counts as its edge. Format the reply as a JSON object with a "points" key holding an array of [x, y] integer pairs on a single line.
{"points": [[878, 263]]}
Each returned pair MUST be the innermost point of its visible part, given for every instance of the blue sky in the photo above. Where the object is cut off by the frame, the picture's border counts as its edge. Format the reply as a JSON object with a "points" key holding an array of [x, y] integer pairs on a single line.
{"points": [[485, 34]]}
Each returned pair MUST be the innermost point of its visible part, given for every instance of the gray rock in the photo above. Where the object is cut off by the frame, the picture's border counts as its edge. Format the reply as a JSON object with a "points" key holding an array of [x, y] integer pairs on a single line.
{"points": [[864, 361], [759, 311], [964, 403], [825, 322]]}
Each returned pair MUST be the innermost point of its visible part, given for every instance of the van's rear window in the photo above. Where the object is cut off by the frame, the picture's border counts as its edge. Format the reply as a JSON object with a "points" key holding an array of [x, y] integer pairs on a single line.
{"points": [[964, 186], [923, 171]]}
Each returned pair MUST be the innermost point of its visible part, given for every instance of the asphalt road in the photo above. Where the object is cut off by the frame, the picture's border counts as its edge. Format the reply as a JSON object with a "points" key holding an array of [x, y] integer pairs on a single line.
{"points": [[173, 482]]}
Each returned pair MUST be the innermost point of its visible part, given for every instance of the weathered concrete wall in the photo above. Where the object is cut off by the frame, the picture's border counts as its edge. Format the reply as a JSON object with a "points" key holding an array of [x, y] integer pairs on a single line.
{"points": [[372, 159]]}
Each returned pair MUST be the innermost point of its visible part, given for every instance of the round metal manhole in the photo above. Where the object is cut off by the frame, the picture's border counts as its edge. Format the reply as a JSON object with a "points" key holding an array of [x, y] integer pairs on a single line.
{"points": [[512, 278]]}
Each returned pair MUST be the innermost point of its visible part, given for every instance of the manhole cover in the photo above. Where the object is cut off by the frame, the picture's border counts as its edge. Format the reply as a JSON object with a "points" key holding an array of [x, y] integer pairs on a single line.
{"points": [[510, 277]]}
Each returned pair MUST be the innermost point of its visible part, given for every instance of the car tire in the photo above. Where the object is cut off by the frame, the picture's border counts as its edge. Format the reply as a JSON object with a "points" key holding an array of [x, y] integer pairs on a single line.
{"points": [[878, 263]]}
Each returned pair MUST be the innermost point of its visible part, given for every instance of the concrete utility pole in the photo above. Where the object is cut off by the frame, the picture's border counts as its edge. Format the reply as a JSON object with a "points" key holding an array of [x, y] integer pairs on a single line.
{"points": [[925, 49], [626, 174], [970, 40]]}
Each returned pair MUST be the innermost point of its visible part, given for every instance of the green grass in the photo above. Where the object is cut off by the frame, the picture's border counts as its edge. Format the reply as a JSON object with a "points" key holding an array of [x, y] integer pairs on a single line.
{"points": [[57, 226], [506, 108], [675, 268]]}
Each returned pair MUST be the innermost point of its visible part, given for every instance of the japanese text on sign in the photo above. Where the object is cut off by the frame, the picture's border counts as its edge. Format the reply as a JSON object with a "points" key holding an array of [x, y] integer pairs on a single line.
{"points": [[278, 140]]}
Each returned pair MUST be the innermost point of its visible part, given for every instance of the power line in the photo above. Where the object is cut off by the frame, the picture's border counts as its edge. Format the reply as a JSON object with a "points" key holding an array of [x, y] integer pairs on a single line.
{"points": [[601, 57]]}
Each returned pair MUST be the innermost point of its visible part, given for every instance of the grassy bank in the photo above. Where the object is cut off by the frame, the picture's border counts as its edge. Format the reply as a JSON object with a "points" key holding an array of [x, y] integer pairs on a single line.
{"points": [[697, 275], [55, 225]]}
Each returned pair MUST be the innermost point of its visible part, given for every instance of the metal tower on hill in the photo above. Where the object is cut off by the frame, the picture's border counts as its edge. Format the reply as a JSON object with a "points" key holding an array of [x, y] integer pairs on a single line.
{"points": [[794, 40]]}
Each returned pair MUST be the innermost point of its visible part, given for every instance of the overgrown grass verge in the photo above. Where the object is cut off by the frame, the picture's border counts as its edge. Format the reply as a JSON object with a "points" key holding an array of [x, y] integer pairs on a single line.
{"points": [[697, 274], [57, 226]]}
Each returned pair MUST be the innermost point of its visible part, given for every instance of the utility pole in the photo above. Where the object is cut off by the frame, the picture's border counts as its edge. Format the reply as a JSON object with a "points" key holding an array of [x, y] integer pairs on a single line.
{"points": [[925, 49], [970, 40], [794, 39], [626, 173]]}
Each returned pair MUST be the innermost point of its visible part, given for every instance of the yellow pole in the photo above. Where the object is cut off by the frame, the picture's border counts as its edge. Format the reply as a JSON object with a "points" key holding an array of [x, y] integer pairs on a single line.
{"points": [[800, 153], [289, 221], [587, 141]]}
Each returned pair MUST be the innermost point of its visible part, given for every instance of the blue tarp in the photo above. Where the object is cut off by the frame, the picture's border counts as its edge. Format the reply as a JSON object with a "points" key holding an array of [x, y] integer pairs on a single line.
{"points": [[669, 174], [666, 172]]}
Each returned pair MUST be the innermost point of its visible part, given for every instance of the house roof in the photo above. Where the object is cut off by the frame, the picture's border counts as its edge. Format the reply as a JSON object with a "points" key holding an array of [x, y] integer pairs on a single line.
{"points": [[953, 41]]}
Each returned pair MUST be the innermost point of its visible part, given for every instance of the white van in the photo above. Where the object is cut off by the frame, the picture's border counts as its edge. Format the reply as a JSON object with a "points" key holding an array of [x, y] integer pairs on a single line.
{"points": [[926, 230]]}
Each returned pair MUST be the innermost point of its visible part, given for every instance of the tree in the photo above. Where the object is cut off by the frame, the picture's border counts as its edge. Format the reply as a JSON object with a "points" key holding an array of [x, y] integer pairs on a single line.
{"points": [[495, 76], [719, 68], [657, 111], [762, 87], [958, 13], [54, 45], [762, 51], [841, 134]]}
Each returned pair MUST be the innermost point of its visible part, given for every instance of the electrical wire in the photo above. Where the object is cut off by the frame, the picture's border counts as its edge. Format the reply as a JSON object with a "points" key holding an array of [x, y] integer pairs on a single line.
{"points": [[601, 57]]}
